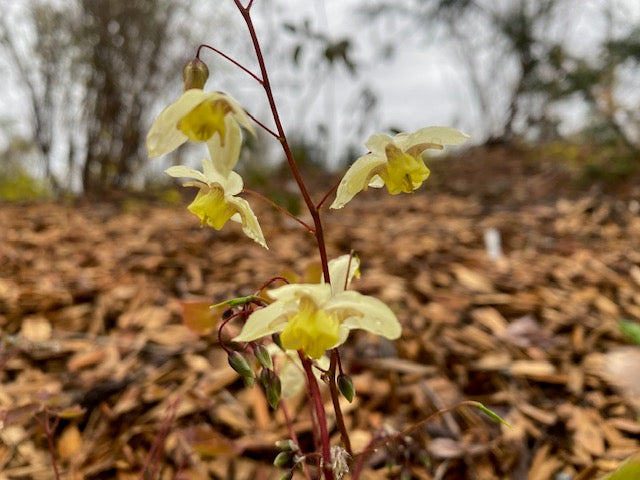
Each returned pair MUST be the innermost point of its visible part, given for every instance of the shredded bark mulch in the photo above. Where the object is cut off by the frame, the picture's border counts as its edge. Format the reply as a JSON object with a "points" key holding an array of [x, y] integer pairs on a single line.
{"points": [[93, 343]]}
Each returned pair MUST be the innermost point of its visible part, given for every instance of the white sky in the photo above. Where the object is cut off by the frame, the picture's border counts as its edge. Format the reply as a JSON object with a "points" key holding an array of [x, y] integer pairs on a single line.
{"points": [[423, 85]]}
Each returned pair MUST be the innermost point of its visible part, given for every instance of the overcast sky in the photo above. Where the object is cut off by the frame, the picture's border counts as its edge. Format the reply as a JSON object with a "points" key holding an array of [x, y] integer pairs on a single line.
{"points": [[423, 85]]}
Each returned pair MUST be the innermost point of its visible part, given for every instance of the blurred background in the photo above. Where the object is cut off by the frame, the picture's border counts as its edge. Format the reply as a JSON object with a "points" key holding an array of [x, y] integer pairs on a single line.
{"points": [[83, 80]]}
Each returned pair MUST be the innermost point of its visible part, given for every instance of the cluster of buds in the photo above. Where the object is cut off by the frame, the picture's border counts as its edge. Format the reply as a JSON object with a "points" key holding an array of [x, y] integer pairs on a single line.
{"points": [[288, 458], [269, 380]]}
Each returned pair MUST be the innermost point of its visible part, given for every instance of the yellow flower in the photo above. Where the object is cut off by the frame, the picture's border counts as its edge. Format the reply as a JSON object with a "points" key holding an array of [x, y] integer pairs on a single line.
{"points": [[395, 162], [197, 115], [317, 317], [216, 202]]}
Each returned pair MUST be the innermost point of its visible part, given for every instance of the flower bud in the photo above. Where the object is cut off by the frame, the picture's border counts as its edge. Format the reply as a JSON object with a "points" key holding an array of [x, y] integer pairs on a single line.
{"points": [[345, 385], [272, 387], [286, 475], [240, 365], [287, 445], [262, 354], [276, 339], [283, 459], [194, 74]]}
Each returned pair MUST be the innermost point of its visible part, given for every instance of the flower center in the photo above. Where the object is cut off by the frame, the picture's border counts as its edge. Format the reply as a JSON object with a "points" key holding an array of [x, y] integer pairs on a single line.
{"points": [[403, 172], [211, 207], [311, 330], [201, 123]]}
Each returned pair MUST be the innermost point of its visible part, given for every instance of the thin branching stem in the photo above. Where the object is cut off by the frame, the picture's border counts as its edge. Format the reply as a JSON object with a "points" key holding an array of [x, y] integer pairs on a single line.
{"points": [[279, 208], [294, 437], [327, 195], [335, 398], [227, 57], [374, 444], [262, 126], [242, 313], [270, 281], [49, 431], [321, 415], [282, 138]]}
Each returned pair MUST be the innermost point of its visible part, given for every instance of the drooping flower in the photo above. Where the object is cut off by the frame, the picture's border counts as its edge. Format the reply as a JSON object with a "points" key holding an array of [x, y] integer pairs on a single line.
{"points": [[394, 162], [317, 317], [216, 202], [198, 116]]}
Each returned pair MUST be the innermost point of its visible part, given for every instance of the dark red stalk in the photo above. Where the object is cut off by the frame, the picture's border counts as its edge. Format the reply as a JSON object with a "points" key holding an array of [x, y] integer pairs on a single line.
{"points": [[266, 84]]}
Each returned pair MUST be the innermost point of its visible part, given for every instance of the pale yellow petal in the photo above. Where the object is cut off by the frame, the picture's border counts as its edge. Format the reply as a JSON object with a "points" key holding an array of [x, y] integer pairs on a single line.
{"points": [[357, 178], [232, 183], [377, 143], [240, 115], [182, 171], [164, 136], [437, 135], [366, 313], [250, 225], [224, 158], [342, 270], [265, 321], [293, 379], [318, 292], [376, 182]]}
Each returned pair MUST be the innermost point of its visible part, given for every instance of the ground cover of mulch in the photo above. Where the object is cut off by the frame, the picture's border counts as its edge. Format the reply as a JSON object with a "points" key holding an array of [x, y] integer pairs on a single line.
{"points": [[92, 295]]}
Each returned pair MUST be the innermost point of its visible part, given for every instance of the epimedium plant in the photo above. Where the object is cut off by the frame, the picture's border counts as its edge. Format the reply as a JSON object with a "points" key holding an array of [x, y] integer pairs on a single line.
{"points": [[299, 327]]}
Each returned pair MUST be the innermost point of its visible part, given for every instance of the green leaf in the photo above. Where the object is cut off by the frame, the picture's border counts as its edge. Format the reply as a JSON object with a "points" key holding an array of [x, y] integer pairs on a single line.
{"points": [[234, 302], [631, 330], [263, 356], [491, 414]]}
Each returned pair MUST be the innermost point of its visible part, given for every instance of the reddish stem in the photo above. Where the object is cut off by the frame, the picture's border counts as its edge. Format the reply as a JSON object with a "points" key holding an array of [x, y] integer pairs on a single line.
{"points": [[270, 281], [316, 397], [377, 443], [279, 208], [327, 195], [227, 57], [49, 431], [266, 84], [294, 437], [262, 125], [241, 313]]}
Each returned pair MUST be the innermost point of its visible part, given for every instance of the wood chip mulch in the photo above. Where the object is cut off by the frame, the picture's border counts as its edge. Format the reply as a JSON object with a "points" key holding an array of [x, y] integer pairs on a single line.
{"points": [[93, 343]]}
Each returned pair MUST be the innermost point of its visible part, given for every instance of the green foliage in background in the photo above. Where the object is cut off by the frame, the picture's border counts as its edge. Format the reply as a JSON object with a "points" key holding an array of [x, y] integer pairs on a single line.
{"points": [[18, 185], [90, 73], [631, 330], [594, 161], [629, 470]]}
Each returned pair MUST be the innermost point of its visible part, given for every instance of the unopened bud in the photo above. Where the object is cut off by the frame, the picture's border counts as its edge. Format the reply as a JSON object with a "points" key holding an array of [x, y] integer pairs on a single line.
{"points": [[286, 475], [283, 459], [194, 74], [345, 385], [262, 354], [240, 365], [287, 445], [276, 339], [272, 387]]}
